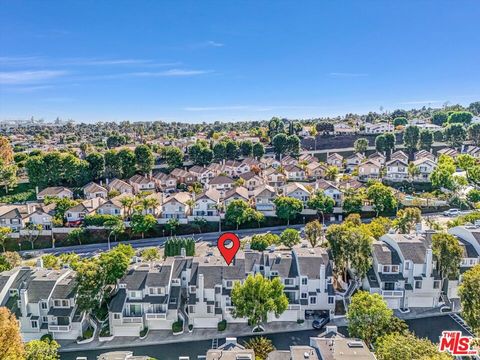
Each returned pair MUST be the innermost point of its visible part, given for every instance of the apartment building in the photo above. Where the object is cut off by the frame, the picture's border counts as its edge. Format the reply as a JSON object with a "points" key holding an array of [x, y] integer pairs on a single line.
{"points": [[44, 302], [403, 272], [198, 289]]}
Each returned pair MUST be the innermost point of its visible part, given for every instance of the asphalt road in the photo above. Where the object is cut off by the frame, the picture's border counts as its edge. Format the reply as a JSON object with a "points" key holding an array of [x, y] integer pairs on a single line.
{"points": [[92, 249], [431, 328]]}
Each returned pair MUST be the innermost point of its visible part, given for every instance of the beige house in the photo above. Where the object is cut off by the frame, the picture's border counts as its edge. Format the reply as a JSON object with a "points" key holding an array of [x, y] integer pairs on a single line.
{"points": [[120, 186], [55, 191], [93, 190], [370, 169]]}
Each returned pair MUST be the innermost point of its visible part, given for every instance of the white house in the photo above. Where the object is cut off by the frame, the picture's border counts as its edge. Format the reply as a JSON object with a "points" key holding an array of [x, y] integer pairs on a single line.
{"points": [[93, 190], [378, 128], [55, 191], [176, 206], [397, 170]]}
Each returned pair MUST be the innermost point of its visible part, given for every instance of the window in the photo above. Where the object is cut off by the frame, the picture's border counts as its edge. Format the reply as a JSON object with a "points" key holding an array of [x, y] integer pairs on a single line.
{"points": [[304, 281], [229, 284], [45, 319], [116, 316], [135, 310], [389, 286], [418, 284], [43, 305], [407, 265], [191, 309], [386, 268], [210, 309], [394, 268], [34, 324], [13, 292], [331, 299], [313, 300], [288, 282], [436, 284]]}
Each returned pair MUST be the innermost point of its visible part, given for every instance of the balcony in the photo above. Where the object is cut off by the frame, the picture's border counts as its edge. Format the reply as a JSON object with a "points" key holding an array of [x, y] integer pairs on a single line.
{"points": [[132, 320], [59, 328], [155, 316], [392, 293]]}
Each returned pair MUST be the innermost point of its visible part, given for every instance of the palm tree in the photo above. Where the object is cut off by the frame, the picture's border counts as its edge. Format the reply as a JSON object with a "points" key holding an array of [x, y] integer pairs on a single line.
{"points": [[413, 170], [331, 173], [127, 203], [261, 346], [149, 203]]}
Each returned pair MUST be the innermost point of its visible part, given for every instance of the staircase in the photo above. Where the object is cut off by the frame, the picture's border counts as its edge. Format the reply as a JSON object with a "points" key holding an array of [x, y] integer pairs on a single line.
{"points": [[215, 343], [351, 288], [458, 319]]}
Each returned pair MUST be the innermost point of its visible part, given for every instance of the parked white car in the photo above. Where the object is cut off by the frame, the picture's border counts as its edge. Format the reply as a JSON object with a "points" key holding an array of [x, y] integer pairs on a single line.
{"points": [[452, 212]]}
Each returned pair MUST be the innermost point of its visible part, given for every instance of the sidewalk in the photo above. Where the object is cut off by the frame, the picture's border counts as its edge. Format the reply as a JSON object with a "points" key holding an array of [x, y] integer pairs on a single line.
{"points": [[158, 337]]}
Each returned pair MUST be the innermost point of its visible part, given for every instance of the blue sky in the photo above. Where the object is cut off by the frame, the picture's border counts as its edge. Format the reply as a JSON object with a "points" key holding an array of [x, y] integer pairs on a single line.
{"points": [[234, 60]]}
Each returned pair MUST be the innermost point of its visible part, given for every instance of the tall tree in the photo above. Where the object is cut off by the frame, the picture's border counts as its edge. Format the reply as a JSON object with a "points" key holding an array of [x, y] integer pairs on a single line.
{"points": [[395, 346], [290, 237], [293, 145], [474, 133], [261, 346], [368, 316], [407, 219], [246, 148], [113, 168], [287, 208], [144, 159], [258, 296], [235, 212], [361, 145], [90, 284], [469, 292], [439, 118], [322, 203], [426, 140], [142, 223], [174, 157], [280, 144], [455, 135], [448, 254], [126, 163], [258, 150], [11, 345], [411, 136], [314, 232], [220, 151], [4, 236], [460, 117], [382, 197], [96, 165]]}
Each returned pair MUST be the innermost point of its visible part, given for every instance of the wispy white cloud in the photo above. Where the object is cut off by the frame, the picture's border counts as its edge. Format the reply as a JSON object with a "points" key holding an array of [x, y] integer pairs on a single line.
{"points": [[26, 77], [28, 89], [207, 44], [347, 75], [169, 73]]}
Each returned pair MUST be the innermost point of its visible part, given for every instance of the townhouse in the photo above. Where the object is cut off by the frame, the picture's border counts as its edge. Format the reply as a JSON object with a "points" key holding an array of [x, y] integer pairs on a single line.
{"points": [[274, 177], [315, 170], [141, 183], [120, 186], [202, 174], [335, 159], [353, 161], [220, 183], [93, 190], [77, 213], [297, 191], [330, 190], [294, 173], [251, 181], [166, 183], [207, 205], [397, 170], [198, 289], [237, 193], [55, 191], [425, 167], [183, 176], [176, 206], [370, 169], [44, 302], [264, 196], [403, 272]]}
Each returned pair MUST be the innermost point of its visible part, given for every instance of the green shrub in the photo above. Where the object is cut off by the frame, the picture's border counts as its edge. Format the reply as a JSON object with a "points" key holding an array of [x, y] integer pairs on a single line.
{"points": [[222, 325], [46, 337], [144, 332], [88, 333], [177, 326], [99, 219], [300, 321]]}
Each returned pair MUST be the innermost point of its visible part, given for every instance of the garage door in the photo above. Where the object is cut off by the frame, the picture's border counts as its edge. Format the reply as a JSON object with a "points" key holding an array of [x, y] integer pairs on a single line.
{"points": [[420, 302], [126, 330], [393, 303]]}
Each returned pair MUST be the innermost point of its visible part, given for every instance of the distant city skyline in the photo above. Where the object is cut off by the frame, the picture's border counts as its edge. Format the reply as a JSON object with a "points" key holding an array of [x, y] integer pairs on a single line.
{"points": [[215, 61]]}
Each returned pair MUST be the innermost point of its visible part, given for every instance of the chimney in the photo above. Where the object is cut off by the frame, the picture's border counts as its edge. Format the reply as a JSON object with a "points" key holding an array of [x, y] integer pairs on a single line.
{"points": [[429, 262], [40, 262], [323, 283], [24, 302], [231, 340], [183, 252], [200, 287], [36, 190], [331, 329]]}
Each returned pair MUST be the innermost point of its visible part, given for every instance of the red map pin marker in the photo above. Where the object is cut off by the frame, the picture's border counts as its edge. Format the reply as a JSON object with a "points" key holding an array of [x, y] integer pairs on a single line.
{"points": [[228, 253]]}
